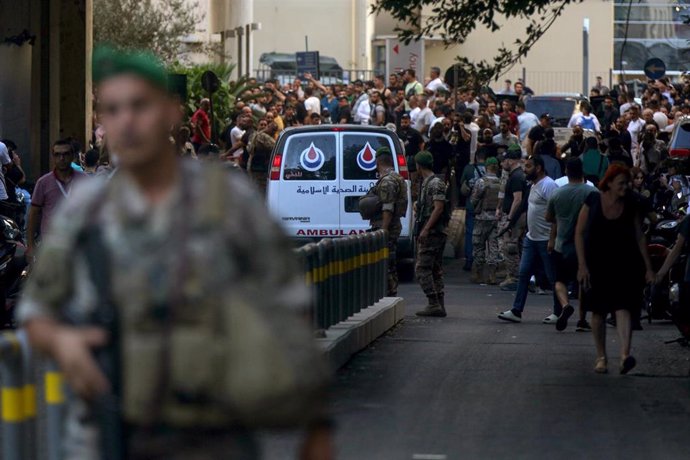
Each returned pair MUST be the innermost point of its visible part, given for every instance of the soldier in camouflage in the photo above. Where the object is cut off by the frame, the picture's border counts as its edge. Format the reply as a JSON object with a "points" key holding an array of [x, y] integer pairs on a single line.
{"points": [[484, 235], [391, 189], [430, 231], [170, 227]]}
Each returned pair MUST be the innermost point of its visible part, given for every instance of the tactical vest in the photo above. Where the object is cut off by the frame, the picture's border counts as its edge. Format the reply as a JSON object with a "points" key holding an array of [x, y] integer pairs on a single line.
{"points": [[401, 199], [400, 209], [489, 201]]}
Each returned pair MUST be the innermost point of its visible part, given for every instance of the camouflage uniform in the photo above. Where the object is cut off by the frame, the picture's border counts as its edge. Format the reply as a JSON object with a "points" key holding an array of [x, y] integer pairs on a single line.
{"points": [[484, 235], [429, 266], [144, 242], [392, 191], [510, 244]]}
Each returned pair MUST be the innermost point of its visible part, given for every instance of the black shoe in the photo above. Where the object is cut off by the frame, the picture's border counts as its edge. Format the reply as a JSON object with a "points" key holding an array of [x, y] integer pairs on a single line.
{"points": [[435, 311], [583, 326], [562, 322], [627, 365]]}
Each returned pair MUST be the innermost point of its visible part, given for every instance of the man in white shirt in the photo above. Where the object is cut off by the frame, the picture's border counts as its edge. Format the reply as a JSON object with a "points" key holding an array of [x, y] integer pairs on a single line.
{"points": [[361, 110], [526, 120], [436, 83], [311, 103], [635, 127], [414, 109], [535, 245], [472, 103], [425, 116], [507, 90], [659, 117], [473, 129], [625, 104]]}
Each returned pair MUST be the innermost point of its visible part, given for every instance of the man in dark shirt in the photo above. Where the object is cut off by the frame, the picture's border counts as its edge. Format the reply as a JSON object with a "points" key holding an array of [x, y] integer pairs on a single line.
{"points": [[536, 134], [512, 215], [441, 150], [411, 139], [608, 116], [414, 143], [576, 143], [344, 111]]}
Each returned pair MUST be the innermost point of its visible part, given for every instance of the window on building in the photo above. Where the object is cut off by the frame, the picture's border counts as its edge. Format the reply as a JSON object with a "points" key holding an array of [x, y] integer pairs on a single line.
{"points": [[654, 29]]}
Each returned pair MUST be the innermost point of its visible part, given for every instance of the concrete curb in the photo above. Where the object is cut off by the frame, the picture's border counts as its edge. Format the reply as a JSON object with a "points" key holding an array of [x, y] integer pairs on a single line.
{"points": [[348, 337]]}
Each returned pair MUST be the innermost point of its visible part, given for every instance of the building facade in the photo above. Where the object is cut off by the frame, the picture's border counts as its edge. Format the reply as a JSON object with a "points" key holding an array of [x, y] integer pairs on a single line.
{"points": [[45, 82]]}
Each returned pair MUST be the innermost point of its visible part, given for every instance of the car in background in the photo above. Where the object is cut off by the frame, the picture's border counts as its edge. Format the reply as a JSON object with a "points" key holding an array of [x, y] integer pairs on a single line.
{"points": [[318, 173], [561, 106], [679, 145]]}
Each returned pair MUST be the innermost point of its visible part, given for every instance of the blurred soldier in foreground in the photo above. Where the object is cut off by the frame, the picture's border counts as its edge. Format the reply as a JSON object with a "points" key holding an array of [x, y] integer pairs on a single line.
{"points": [[391, 189], [159, 245], [430, 231]]}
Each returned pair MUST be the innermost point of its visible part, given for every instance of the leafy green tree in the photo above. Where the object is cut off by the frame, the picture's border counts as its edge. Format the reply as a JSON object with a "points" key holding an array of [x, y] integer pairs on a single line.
{"points": [[229, 92], [158, 26], [454, 20]]}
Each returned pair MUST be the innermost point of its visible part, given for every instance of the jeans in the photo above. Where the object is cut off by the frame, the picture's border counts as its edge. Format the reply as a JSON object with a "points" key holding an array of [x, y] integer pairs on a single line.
{"points": [[534, 252]]}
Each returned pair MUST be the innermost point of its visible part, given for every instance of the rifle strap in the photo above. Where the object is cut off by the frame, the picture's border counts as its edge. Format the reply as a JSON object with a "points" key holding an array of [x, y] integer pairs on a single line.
{"points": [[109, 408]]}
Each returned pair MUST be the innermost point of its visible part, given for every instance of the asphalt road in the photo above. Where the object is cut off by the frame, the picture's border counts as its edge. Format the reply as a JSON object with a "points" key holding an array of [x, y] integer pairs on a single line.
{"points": [[473, 387]]}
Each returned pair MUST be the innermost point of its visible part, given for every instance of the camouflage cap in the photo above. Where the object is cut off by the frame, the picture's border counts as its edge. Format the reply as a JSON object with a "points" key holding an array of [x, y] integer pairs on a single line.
{"points": [[383, 152], [109, 62], [491, 161], [424, 159]]}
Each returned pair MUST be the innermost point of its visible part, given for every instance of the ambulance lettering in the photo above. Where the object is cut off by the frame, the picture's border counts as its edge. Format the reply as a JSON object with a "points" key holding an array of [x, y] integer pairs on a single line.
{"points": [[329, 232]]}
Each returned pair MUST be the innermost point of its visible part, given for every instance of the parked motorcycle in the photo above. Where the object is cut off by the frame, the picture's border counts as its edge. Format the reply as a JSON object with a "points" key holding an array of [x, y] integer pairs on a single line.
{"points": [[13, 269]]}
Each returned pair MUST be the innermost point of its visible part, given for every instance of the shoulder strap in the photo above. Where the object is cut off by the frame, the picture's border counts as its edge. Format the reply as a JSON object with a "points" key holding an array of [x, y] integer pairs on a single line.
{"points": [[108, 408]]}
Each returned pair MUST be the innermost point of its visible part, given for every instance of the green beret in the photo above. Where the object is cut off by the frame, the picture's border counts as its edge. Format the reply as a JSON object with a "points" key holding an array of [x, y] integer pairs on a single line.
{"points": [[491, 161], [515, 148], [108, 62], [424, 158], [383, 151]]}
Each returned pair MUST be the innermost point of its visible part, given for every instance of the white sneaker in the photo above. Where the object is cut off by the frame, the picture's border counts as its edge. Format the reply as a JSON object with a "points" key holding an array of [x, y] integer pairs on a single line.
{"points": [[551, 319], [509, 316]]}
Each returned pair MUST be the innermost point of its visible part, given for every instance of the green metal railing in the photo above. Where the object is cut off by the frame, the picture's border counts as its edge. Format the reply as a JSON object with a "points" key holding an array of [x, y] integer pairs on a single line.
{"points": [[346, 275]]}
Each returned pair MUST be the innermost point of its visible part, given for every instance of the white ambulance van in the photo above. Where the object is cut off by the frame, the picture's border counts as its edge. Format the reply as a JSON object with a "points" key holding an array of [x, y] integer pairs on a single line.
{"points": [[318, 173]]}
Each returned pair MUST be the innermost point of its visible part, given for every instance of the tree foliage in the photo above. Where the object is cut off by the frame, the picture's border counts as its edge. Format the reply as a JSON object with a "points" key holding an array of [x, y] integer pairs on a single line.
{"points": [[224, 99], [158, 26], [454, 20]]}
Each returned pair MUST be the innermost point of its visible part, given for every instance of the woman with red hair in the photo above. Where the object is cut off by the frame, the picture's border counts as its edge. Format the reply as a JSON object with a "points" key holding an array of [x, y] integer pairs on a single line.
{"points": [[612, 258]]}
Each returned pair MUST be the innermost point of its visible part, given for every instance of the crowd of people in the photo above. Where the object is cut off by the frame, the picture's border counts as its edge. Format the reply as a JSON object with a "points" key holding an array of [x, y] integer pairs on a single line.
{"points": [[529, 212], [561, 213]]}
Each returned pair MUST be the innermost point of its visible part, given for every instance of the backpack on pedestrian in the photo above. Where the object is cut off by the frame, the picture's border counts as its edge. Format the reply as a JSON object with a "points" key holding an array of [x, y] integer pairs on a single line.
{"points": [[467, 186]]}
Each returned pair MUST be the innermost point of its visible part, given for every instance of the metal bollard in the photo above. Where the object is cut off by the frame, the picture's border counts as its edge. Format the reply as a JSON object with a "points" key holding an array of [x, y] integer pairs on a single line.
{"points": [[12, 397], [330, 305], [322, 301], [360, 293], [54, 395], [354, 274], [383, 266], [309, 253], [29, 401], [369, 271]]}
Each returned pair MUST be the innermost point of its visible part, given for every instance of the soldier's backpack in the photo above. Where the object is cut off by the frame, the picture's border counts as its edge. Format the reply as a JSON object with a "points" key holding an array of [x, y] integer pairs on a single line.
{"points": [[467, 186]]}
